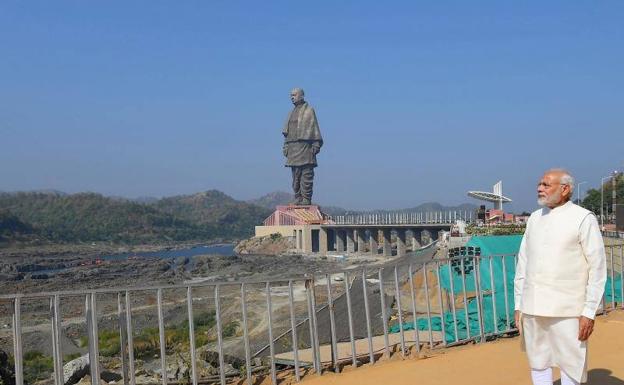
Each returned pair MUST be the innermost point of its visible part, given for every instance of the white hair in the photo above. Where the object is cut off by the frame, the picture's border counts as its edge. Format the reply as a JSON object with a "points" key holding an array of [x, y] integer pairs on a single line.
{"points": [[566, 178], [298, 90]]}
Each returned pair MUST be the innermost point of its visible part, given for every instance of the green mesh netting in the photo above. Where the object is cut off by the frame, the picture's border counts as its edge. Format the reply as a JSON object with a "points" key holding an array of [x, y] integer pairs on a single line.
{"points": [[497, 308]]}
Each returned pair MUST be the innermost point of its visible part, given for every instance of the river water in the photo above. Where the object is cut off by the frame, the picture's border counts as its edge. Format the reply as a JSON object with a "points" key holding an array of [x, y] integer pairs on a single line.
{"points": [[226, 249], [221, 249]]}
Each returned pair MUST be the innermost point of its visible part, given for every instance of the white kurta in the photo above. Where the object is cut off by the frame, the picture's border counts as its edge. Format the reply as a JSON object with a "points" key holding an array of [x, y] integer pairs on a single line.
{"points": [[560, 275]]}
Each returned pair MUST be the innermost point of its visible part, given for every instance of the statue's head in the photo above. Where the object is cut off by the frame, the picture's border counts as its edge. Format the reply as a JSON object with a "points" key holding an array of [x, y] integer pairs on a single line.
{"points": [[296, 95]]}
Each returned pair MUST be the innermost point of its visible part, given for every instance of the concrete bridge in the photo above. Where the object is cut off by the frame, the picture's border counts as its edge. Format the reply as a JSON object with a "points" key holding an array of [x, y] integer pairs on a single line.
{"points": [[370, 233]]}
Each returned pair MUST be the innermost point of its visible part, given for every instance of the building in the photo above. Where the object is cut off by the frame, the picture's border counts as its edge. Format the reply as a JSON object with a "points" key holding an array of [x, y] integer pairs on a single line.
{"points": [[303, 223]]}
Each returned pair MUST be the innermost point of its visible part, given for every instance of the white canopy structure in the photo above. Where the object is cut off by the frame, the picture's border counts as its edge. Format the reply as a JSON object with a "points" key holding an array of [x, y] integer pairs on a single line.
{"points": [[496, 196]]}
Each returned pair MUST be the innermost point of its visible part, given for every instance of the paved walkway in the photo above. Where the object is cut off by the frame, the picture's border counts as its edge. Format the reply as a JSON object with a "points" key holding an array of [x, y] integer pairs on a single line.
{"points": [[499, 362]]}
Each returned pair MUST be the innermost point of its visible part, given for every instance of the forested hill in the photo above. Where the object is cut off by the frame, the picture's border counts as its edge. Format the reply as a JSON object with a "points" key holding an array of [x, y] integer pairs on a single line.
{"points": [[88, 217]]}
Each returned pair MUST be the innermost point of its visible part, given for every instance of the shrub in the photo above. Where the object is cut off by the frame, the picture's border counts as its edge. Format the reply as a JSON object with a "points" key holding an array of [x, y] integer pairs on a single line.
{"points": [[230, 329], [37, 366]]}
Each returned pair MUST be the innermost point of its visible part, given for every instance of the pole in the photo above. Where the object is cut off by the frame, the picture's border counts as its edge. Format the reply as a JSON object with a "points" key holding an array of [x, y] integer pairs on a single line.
{"points": [[602, 202], [613, 193], [578, 193]]}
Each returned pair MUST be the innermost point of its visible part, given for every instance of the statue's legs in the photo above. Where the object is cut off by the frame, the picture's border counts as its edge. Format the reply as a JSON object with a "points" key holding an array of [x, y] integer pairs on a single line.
{"points": [[303, 181], [307, 182], [296, 183]]}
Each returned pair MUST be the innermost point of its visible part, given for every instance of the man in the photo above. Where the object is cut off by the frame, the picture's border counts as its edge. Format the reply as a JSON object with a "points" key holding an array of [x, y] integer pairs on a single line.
{"points": [[302, 141], [560, 280]]}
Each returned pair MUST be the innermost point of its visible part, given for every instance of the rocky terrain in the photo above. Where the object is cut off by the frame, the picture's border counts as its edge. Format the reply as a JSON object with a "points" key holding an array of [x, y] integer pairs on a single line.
{"points": [[273, 244], [61, 268]]}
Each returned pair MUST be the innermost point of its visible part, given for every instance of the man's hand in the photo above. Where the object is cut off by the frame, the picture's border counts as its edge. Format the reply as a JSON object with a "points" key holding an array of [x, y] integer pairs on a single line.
{"points": [[586, 327], [285, 150], [518, 319], [316, 149]]}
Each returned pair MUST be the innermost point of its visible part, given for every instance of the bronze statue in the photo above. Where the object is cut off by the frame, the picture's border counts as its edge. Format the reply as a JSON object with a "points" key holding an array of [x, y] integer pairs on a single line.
{"points": [[302, 141]]}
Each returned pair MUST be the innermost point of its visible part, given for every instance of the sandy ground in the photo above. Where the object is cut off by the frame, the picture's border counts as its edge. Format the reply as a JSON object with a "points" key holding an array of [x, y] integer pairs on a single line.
{"points": [[499, 362]]}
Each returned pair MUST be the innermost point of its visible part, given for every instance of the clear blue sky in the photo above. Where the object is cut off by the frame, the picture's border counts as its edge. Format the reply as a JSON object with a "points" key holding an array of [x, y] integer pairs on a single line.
{"points": [[416, 101]]}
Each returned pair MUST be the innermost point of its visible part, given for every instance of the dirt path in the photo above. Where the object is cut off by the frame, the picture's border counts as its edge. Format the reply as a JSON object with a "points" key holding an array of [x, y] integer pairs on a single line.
{"points": [[499, 362]]}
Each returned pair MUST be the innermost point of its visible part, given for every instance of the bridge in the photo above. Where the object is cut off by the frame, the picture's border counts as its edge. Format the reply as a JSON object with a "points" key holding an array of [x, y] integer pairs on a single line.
{"points": [[372, 233]]}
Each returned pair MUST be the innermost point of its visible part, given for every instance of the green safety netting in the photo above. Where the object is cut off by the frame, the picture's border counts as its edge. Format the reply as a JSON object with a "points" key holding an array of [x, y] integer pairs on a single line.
{"points": [[500, 270]]}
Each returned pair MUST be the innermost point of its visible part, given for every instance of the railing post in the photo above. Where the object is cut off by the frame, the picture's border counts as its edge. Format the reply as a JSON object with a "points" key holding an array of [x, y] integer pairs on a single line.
{"points": [[271, 345], [442, 318], [161, 335], [371, 354], [384, 315], [17, 342], [293, 328], [56, 343], [93, 337], [130, 339], [246, 334], [398, 301], [220, 333], [332, 324], [414, 312], [350, 319], [122, 340], [191, 321]]}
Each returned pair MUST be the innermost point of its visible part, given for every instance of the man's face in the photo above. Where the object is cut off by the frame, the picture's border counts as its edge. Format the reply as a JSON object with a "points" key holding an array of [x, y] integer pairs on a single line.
{"points": [[550, 192], [296, 96]]}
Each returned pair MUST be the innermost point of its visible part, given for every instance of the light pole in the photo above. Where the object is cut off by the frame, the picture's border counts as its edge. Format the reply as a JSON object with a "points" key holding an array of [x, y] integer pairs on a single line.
{"points": [[578, 193], [602, 202]]}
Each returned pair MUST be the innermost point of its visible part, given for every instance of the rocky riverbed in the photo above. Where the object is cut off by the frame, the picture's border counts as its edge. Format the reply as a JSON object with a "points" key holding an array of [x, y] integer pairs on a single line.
{"points": [[63, 268]]}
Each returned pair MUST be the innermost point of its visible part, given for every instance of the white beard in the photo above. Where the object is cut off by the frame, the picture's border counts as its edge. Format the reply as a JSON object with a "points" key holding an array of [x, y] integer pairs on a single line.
{"points": [[549, 201]]}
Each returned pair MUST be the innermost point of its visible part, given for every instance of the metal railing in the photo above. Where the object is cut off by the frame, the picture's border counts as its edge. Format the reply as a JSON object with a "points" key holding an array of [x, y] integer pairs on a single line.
{"points": [[311, 323], [613, 234], [401, 218]]}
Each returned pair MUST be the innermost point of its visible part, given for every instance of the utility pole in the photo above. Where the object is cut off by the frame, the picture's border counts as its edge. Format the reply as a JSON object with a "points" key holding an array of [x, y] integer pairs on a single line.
{"points": [[578, 193], [602, 202]]}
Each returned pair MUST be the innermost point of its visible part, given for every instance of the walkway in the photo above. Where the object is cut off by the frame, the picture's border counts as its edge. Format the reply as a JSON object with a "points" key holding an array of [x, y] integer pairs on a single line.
{"points": [[499, 362]]}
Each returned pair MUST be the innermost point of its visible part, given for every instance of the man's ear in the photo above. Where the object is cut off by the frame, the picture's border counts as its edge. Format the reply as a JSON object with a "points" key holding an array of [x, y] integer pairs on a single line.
{"points": [[568, 190]]}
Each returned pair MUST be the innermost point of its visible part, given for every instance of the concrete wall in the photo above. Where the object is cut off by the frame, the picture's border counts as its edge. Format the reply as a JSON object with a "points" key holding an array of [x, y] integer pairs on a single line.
{"points": [[286, 231], [301, 233]]}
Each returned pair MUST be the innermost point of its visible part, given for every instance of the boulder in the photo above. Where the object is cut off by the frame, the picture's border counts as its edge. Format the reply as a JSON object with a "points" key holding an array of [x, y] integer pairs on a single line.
{"points": [[7, 376], [75, 370]]}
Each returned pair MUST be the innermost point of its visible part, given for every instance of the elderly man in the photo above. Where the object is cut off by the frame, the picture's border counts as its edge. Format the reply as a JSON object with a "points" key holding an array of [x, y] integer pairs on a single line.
{"points": [[560, 280], [302, 141]]}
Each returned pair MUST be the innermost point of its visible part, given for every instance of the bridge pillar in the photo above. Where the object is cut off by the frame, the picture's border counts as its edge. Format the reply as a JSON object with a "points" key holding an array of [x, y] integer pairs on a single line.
{"points": [[341, 236], [350, 240], [400, 242], [361, 240], [425, 236], [416, 239], [323, 241], [387, 245], [374, 236]]}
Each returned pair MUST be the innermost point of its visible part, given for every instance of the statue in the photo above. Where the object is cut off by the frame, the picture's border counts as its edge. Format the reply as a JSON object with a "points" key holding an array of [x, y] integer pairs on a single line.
{"points": [[302, 141]]}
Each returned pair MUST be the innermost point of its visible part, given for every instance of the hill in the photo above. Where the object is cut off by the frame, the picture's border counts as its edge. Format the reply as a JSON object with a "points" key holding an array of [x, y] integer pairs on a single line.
{"points": [[87, 217], [214, 208], [12, 229]]}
